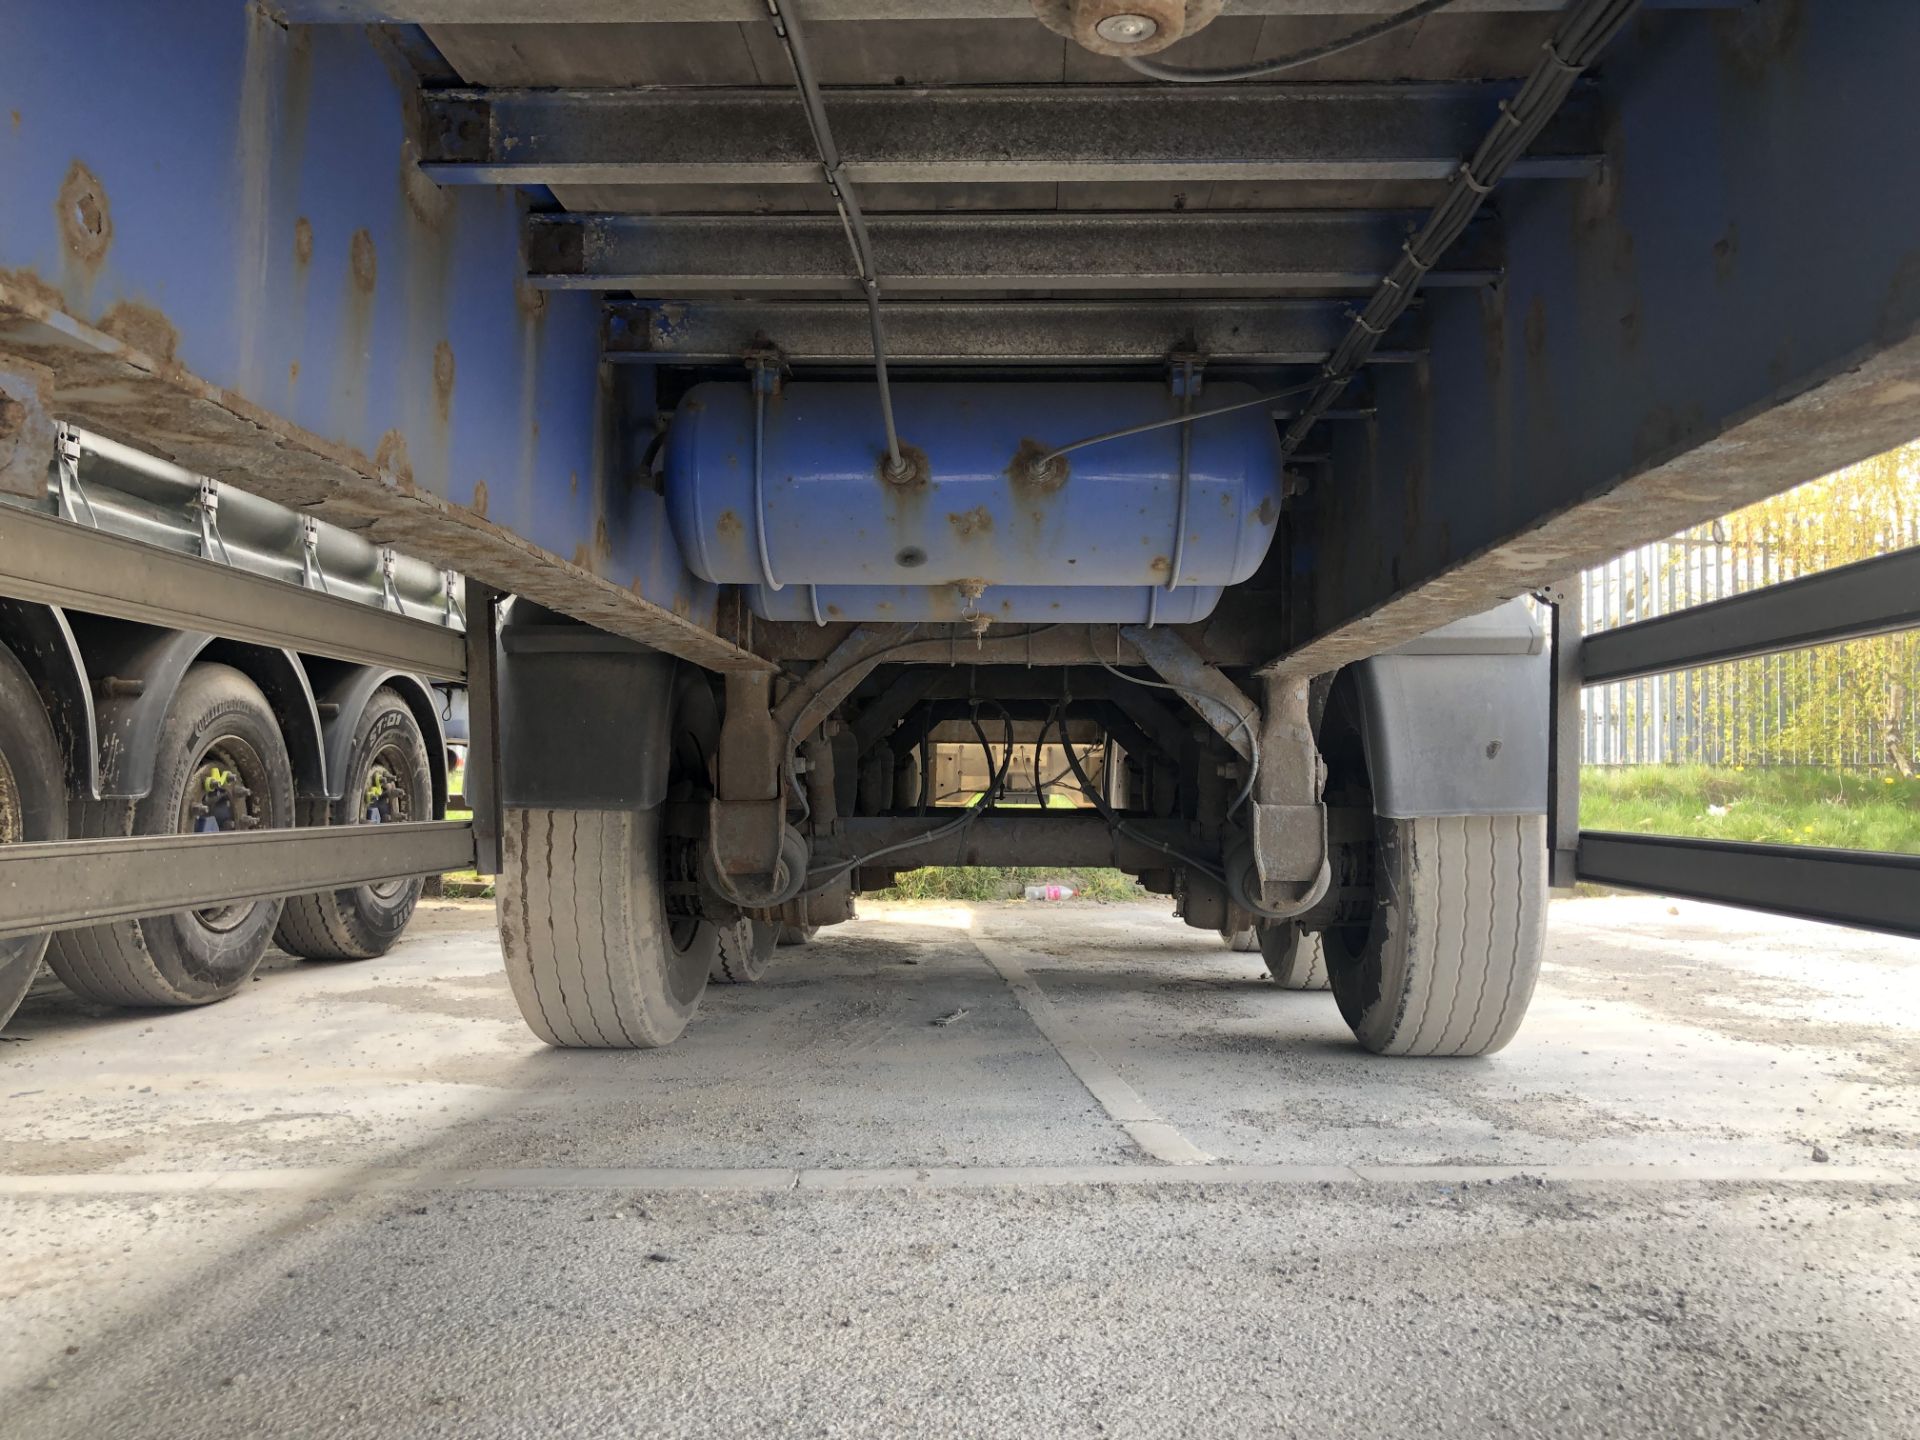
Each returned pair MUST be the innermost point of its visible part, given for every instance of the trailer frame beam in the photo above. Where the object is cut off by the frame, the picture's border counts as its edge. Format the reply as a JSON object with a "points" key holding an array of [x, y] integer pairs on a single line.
{"points": [[58, 885], [966, 332], [950, 252], [1055, 134]]}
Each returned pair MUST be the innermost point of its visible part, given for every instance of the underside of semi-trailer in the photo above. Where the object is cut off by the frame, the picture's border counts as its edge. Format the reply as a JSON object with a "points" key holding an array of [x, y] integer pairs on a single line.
{"points": [[884, 433]]}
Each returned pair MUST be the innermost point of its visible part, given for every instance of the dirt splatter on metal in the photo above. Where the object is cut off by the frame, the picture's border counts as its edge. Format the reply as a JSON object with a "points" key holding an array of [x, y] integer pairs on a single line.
{"points": [[303, 242], [1536, 328], [391, 465], [230, 436], [86, 221], [31, 287], [728, 526], [479, 506], [428, 203], [443, 380], [143, 328], [363, 262], [969, 523]]}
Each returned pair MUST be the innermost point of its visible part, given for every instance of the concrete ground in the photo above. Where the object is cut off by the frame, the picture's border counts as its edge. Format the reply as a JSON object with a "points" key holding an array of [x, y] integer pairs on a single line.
{"points": [[1126, 1188]]}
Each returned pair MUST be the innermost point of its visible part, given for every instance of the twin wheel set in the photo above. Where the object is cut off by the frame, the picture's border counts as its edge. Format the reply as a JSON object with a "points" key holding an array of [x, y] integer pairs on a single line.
{"points": [[221, 764], [1433, 949]]}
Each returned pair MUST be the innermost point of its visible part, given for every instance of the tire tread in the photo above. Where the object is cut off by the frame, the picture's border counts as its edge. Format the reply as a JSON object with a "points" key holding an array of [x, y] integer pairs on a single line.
{"points": [[1469, 947], [577, 929]]}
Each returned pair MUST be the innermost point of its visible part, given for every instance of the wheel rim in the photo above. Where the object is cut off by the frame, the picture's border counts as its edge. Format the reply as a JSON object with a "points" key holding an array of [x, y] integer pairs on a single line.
{"points": [[388, 787], [680, 887], [688, 781], [228, 789], [1344, 942]]}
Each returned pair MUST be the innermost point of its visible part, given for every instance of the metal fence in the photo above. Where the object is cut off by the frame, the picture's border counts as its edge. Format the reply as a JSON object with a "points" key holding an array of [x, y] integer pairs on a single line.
{"points": [[1745, 711]]}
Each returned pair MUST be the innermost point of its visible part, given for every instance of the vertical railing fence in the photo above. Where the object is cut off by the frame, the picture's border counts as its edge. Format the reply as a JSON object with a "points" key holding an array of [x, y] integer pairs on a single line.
{"points": [[1761, 630], [1740, 712]]}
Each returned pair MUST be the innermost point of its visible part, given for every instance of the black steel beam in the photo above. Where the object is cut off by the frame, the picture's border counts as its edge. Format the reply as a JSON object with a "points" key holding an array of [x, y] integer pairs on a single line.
{"points": [[1059, 838], [1563, 737], [59, 885], [483, 773], [1078, 332], [54, 562], [609, 12], [1215, 252], [1871, 597], [1869, 889], [987, 134]]}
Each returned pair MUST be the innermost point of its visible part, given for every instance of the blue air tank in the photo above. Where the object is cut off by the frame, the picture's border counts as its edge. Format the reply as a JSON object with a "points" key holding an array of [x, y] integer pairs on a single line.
{"points": [[977, 511], [949, 604]]}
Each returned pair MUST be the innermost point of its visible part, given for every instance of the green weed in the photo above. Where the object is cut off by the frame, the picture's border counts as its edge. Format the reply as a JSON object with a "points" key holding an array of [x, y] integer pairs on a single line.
{"points": [[982, 884], [1783, 805]]}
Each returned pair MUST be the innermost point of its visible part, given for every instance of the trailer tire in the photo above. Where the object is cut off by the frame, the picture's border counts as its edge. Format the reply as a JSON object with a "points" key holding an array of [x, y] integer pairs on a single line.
{"points": [[1294, 957], [363, 921], [217, 716], [1241, 942], [33, 806], [743, 951], [797, 934], [1447, 962], [593, 957]]}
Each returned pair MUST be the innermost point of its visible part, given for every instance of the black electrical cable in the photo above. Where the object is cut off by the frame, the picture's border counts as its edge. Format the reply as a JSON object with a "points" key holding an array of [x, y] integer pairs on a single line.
{"points": [[1245, 723], [1121, 827], [951, 827], [1039, 746], [1584, 29], [1184, 419], [787, 25], [1261, 69]]}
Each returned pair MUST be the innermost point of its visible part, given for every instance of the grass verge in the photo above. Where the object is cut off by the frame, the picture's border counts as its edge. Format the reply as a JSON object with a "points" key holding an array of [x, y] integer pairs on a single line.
{"points": [[983, 883], [465, 884], [1784, 805]]}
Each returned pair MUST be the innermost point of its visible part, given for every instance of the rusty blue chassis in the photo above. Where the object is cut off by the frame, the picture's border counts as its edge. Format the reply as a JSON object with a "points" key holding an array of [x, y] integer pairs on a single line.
{"points": [[299, 248], [215, 242]]}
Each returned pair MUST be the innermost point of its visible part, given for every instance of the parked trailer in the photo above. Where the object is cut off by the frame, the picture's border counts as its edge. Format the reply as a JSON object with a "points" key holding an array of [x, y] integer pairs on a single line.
{"points": [[126, 712], [800, 384]]}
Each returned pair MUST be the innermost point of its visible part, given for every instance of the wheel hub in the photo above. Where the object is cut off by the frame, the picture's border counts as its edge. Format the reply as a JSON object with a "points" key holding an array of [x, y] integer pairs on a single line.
{"points": [[223, 796], [387, 799]]}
